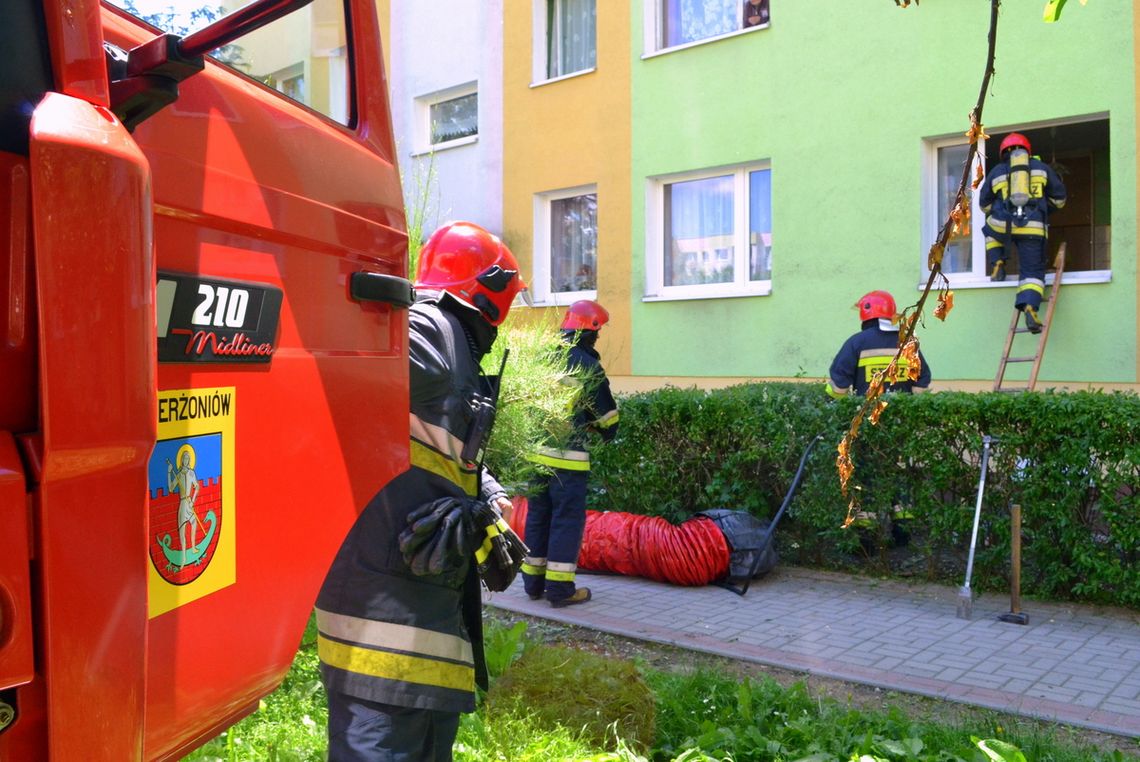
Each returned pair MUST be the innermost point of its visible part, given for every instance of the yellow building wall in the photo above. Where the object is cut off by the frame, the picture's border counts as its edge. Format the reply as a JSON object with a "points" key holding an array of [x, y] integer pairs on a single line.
{"points": [[567, 133]]}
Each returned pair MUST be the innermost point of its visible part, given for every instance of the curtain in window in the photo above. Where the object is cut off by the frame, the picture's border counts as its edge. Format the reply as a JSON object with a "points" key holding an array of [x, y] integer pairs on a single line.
{"points": [[958, 257], [691, 20], [570, 38], [699, 224], [760, 225], [574, 243], [455, 118]]}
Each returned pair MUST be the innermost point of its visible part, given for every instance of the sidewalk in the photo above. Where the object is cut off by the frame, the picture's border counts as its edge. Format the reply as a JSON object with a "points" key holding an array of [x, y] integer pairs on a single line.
{"points": [[1078, 665]]}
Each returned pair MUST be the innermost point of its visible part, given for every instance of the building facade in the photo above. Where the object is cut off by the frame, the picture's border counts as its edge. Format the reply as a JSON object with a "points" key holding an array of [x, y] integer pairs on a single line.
{"points": [[728, 178]]}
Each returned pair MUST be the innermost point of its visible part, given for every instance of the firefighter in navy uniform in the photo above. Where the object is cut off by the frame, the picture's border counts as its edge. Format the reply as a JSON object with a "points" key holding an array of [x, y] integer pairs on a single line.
{"points": [[1017, 197], [871, 350], [556, 515], [401, 647]]}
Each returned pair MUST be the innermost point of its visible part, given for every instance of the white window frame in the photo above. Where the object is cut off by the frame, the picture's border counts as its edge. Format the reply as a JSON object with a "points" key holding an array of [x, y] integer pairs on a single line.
{"points": [[978, 277], [422, 114], [655, 288], [653, 23], [539, 46], [540, 289]]}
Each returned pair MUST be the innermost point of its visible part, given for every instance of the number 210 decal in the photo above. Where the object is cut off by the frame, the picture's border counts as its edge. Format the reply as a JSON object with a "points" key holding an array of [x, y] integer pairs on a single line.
{"points": [[211, 320]]}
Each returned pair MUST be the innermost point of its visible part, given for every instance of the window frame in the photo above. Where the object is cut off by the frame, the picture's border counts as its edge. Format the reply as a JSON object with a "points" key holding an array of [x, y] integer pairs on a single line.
{"points": [[347, 118], [741, 285], [540, 286], [978, 277], [653, 21], [540, 47], [422, 111]]}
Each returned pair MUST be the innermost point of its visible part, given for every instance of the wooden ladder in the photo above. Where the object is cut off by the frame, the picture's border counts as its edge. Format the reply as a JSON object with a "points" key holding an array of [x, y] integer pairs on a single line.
{"points": [[1015, 328]]}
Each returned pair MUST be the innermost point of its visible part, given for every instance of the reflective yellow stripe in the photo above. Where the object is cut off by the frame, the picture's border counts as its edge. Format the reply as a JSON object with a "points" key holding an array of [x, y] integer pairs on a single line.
{"points": [[1032, 287], [607, 420], [837, 394], [565, 465], [875, 364], [429, 460], [535, 571], [559, 576], [483, 552], [392, 666]]}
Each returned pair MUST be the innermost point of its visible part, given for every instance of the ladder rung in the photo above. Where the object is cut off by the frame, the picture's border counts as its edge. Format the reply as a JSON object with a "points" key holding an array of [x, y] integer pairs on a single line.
{"points": [[1021, 359]]}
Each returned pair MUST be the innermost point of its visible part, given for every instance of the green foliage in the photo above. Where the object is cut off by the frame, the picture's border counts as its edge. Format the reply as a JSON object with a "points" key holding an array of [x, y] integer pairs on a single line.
{"points": [[426, 188], [562, 704], [534, 403], [708, 715], [1070, 460], [598, 699]]}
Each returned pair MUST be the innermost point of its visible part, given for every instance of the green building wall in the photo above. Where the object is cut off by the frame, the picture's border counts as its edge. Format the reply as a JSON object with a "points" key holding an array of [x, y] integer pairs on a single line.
{"points": [[839, 97]]}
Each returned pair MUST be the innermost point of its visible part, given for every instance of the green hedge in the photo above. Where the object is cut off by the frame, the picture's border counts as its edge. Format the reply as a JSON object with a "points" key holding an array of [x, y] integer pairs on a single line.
{"points": [[1070, 460]]}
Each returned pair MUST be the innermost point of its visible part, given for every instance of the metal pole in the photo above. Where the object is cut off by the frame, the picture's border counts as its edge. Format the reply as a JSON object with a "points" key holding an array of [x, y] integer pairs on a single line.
{"points": [[965, 595]]}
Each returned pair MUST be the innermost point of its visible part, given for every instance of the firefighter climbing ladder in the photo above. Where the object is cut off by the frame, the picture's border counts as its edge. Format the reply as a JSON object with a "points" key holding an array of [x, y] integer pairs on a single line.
{"points": [[1015, 328]]}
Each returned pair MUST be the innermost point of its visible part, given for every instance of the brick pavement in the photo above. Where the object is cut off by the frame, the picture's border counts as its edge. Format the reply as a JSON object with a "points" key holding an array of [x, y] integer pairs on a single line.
{"points": [[1078, 665]]}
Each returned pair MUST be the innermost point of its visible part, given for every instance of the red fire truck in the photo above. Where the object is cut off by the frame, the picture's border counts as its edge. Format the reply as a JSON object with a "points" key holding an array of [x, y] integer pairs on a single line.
{"points": [[203, 361]]}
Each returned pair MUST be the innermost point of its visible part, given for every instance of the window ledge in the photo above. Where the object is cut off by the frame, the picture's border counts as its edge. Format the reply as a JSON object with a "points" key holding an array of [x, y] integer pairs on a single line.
{"points": [[1070, 279], [445, 146], [705, 41], [764, 290], [564, 77], [564, 298]]}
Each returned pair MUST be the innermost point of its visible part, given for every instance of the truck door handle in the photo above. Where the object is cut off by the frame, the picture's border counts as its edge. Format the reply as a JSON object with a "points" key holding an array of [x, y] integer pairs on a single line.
{"points": [[377, 287]]}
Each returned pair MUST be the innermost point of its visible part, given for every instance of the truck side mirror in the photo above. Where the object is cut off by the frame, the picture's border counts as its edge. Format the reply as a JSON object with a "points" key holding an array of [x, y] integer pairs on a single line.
{"points": [[145, 78]]}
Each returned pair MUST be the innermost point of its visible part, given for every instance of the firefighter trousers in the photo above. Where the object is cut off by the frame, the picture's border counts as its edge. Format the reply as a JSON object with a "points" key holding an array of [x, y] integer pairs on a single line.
{"points": [[1031, 265], [367, 731], [555, 520]]}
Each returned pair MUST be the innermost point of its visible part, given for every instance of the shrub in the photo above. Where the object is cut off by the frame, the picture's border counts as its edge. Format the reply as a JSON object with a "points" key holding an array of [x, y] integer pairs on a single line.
{"points": [[1070, 460]]}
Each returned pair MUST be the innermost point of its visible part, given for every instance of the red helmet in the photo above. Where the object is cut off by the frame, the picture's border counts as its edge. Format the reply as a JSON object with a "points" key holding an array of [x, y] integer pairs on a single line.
{"points": [[585, 315], [1012, 140], [473, 265], [876, 304]]}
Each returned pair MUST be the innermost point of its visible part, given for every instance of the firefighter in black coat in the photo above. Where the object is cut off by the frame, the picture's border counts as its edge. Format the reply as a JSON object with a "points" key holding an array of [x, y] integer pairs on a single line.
{"points": [[871, 350], [1017, 197], [556, 515], [400, 643]]}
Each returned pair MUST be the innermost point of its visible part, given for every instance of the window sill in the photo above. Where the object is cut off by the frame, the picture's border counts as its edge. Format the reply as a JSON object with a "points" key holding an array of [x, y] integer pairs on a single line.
{"points": [[706, 41], [564, 77], [964, 281], [736, 293], [445, 146], [563, 298]]}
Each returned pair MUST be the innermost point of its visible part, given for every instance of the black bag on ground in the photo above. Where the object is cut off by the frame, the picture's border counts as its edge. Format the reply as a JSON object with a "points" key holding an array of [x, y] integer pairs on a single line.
{"points": [[745, 534]]}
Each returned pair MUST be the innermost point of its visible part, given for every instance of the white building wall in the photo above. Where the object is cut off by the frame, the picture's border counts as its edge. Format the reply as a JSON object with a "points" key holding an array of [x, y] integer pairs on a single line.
{"points": [[434, 48]]}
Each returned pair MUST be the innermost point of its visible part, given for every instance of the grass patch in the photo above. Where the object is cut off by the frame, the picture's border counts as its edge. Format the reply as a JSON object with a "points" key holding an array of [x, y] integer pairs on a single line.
{"points": [[549, 702]]}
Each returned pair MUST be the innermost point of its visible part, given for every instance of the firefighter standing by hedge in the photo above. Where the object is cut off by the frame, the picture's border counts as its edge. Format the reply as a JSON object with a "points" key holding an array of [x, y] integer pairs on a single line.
{"points": [[871, 350], [1017, 197], [400, 631], [556, 516]]}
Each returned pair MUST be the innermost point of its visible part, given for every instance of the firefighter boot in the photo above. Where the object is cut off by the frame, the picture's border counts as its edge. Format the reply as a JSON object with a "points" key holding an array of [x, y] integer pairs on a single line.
{"points": [[1032, 322], [581, 595], [997, 274]]}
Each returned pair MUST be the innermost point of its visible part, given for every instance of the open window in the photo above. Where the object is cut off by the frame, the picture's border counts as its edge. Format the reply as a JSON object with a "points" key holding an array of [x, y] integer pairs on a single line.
{"points": [[1078, 150]]}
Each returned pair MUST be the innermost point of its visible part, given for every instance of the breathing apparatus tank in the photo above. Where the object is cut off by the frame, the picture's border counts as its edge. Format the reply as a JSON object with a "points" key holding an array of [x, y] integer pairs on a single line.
{"points": [[1019, 180]]}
